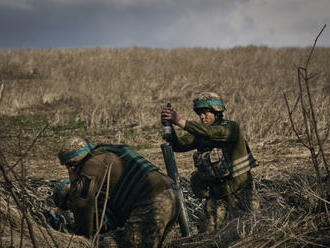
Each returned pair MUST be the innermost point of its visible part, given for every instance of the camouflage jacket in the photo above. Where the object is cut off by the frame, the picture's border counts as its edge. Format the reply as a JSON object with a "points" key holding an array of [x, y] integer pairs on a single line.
{"points": [[223, 136], [128, 185]]}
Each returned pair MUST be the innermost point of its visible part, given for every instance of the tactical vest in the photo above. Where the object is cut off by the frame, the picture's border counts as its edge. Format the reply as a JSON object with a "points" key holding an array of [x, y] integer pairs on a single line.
{"points": [[216, 164], [125, 191]]}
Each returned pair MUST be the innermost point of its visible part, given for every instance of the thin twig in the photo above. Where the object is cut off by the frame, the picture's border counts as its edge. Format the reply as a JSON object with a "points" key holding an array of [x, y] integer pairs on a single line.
{"points": [[309, 118], [303, 108], [314, 123], [105, 203], [96, 201], [25, 194], [10, 223], [29, 148], [2, 87], [17, 201], [23, 182], [316, 196], [292, 123], [296, 104], [70, 241], [315, 126], [315, 41]]}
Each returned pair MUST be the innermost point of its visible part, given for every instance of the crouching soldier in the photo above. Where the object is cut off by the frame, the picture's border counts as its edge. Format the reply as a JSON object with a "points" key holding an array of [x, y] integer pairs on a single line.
{"points": [[222, 161], [134, 195]]}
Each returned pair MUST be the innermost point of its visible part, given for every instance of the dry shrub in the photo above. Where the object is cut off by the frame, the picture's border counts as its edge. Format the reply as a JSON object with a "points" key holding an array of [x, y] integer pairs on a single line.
{"points": [[292, 215], [14, 234]]}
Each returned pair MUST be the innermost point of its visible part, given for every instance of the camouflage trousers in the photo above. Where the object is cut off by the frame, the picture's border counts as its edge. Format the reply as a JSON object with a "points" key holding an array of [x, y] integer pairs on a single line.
{"points": [[149, 222], [216, 210]]}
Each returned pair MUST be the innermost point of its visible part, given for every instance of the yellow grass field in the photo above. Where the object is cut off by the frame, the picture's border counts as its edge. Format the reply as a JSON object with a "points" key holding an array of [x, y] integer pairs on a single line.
{"points": [[115, 96]]}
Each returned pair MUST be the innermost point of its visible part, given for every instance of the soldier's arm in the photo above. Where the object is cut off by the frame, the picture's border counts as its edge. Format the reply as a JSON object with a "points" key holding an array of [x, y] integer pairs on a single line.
{"points": [[82, 201], [224, 133], [183, 143]]}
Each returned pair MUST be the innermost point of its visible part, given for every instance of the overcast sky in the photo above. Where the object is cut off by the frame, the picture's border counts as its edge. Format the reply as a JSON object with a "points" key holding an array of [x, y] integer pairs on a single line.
{"points": [[162, 23]]}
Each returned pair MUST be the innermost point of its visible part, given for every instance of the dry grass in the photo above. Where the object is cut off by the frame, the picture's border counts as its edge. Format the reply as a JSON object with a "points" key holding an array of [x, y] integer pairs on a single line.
{"points": [[13, 235], [115, 95], [112, 87]]}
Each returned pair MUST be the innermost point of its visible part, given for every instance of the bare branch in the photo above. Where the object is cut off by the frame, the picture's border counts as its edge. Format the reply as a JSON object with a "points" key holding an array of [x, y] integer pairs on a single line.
{"points": [[29, 148], [314, 123], [314, 142], [2, 87], [312, 50], [99, 225], [17, 200], [292, 123], [313, 119], [303, 108], [326, 135], [296, 104]]}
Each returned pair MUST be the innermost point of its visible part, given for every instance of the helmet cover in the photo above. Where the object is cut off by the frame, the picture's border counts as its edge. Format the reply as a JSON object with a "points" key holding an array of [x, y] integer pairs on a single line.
{"points": [[209, 100], [74, 150]]}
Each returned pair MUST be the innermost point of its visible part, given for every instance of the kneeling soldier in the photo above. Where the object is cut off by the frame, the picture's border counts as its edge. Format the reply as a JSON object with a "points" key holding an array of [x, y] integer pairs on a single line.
{"points": [[223, 161], [134, 194]]}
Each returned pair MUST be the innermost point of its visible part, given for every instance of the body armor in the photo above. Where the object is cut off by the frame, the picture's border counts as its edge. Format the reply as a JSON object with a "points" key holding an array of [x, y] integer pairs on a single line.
{"points": [[216, 164]]}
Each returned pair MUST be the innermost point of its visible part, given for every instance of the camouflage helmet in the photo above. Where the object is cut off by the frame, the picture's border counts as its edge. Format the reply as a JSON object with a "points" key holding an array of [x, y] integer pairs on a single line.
{"points": [[60, 193], [209, 100], [74, 150]]}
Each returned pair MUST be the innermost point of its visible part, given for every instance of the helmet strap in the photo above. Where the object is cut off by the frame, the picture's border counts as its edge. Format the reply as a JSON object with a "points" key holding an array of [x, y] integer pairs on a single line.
{"points": [[218, 115]]}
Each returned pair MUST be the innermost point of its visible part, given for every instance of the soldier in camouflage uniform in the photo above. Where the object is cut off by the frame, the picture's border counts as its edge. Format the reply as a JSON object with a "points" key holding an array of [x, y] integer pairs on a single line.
{"points": [[136, 197], [222, 161]]}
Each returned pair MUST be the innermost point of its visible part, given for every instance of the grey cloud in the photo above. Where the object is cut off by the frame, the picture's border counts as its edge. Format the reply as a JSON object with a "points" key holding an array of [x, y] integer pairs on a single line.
{"points": [[71, 25], [159, 23], [278, 23]]}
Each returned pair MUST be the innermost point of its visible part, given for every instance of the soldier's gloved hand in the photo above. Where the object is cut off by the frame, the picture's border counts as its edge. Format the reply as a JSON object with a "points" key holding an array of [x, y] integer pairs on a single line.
{"points": [[170, 114], [166, 115]]}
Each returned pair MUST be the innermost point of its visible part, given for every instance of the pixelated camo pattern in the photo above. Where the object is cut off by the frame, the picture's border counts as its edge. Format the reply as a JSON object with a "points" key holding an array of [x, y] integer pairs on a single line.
{"points": [[210, 96], [73, 144], [126, 189], [149, 222]]}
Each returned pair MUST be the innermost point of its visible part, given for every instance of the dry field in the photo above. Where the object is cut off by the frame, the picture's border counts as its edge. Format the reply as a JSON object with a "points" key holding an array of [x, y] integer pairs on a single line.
{"points": [[115, 96]]}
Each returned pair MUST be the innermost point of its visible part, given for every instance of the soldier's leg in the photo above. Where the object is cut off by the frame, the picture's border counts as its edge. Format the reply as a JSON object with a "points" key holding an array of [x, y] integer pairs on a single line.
{"points": [[150, 221], [212, 216], [243, 201], [255, 201], [247, 198], [198, 185]]}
